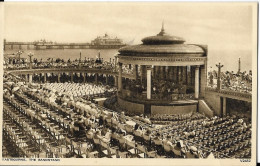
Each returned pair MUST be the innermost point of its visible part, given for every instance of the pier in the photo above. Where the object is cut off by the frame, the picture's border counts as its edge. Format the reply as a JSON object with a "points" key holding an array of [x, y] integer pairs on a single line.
{"points": [[43, 46]]}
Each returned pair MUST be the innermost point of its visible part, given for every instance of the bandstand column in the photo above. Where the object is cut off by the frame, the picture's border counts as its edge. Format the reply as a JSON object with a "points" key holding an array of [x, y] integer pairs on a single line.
{"points": [[171, 74], [156, 68], [30, 78], [45, 77], [116, 81], [153, 72], [224, 106], [136, 72], [178, 75], [84, 77], [106, 79], [40, 76], [188, 75], [197, 86], [58, 77], [96, 78], [166, 72], [162, 72], [184, 74], [175, 74], [142, 73], [203, 80], [193, 75], [71, 76], [120, 78], [27, 77], [149, 82]]}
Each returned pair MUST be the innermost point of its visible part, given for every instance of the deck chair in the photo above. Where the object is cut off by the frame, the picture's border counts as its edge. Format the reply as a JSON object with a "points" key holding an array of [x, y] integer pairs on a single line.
{"points": [[130, 143], [123, 154], [152, 154], [104, 144], [115, 122], [93, 154], [128, 128], [138, 133], [113, 150], [132, 151], [90, 135], [146, 137], [176, 152], [96, 140], [84, 155], [141, 151], [121, 126], [167, 148]]}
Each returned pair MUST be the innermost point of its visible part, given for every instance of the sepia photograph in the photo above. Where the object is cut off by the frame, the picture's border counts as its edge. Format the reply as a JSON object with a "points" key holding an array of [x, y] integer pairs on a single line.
{"points": [[92, 82]]}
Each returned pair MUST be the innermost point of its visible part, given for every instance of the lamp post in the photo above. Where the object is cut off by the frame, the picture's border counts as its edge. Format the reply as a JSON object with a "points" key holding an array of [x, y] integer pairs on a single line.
{"points": [[80, 56], [239, 65], [30, 56], [219, 71]]}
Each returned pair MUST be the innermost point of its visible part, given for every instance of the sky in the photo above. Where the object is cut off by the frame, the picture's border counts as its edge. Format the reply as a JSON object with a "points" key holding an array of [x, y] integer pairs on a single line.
{"points": [[221, 26]]}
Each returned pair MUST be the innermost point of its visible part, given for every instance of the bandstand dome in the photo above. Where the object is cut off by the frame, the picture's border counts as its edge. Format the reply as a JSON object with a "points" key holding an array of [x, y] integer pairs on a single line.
{"points": [[162, 44], [166, 76]]}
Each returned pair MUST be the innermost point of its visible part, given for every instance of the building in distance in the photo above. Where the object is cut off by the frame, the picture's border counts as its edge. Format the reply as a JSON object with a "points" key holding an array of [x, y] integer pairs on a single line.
{"points": [[106, 42]]}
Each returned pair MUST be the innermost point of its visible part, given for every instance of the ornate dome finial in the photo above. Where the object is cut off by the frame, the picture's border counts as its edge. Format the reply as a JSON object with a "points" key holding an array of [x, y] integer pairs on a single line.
{"points": [[162, 26], [162, 38], [162, 30]]}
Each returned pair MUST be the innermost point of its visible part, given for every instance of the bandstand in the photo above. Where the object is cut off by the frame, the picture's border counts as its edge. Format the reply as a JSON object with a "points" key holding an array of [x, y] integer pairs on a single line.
{"points": [[169, 76]]}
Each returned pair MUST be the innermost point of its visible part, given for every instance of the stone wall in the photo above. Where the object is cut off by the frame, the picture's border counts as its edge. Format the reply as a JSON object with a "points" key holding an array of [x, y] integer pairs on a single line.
{"points": [[131, 107], [213, 101], [173, 109]]}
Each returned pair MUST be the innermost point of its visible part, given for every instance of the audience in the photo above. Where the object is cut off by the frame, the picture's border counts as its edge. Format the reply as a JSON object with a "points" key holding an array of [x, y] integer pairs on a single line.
{"points": [[85, 129], [240, 81]]}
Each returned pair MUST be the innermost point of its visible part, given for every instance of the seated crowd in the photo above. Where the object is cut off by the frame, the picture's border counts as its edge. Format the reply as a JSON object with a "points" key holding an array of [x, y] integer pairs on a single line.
{"points": [[240, 81], [59, 63], [162, 118], [77, 89], [41, 124]]}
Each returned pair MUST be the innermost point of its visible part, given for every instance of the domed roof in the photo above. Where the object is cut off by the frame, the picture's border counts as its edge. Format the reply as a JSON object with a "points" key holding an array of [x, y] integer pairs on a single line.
{"points": [[165, 39], [162, 38], [163, 43]]}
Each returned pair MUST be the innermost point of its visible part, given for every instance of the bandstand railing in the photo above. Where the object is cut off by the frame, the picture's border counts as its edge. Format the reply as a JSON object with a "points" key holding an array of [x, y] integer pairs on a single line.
{"points": [[135, 96]]}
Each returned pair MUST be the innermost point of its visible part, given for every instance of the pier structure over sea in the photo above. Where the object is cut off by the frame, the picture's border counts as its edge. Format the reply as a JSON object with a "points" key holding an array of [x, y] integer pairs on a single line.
{"points": [[43, 45]]}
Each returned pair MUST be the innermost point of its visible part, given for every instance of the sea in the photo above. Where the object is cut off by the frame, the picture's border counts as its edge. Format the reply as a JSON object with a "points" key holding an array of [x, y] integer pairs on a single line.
{"points": [[227, 58]]}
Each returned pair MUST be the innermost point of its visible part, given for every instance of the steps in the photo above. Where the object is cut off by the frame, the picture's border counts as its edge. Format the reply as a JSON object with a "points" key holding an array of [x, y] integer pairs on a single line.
{"points": [[205, 109]]}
